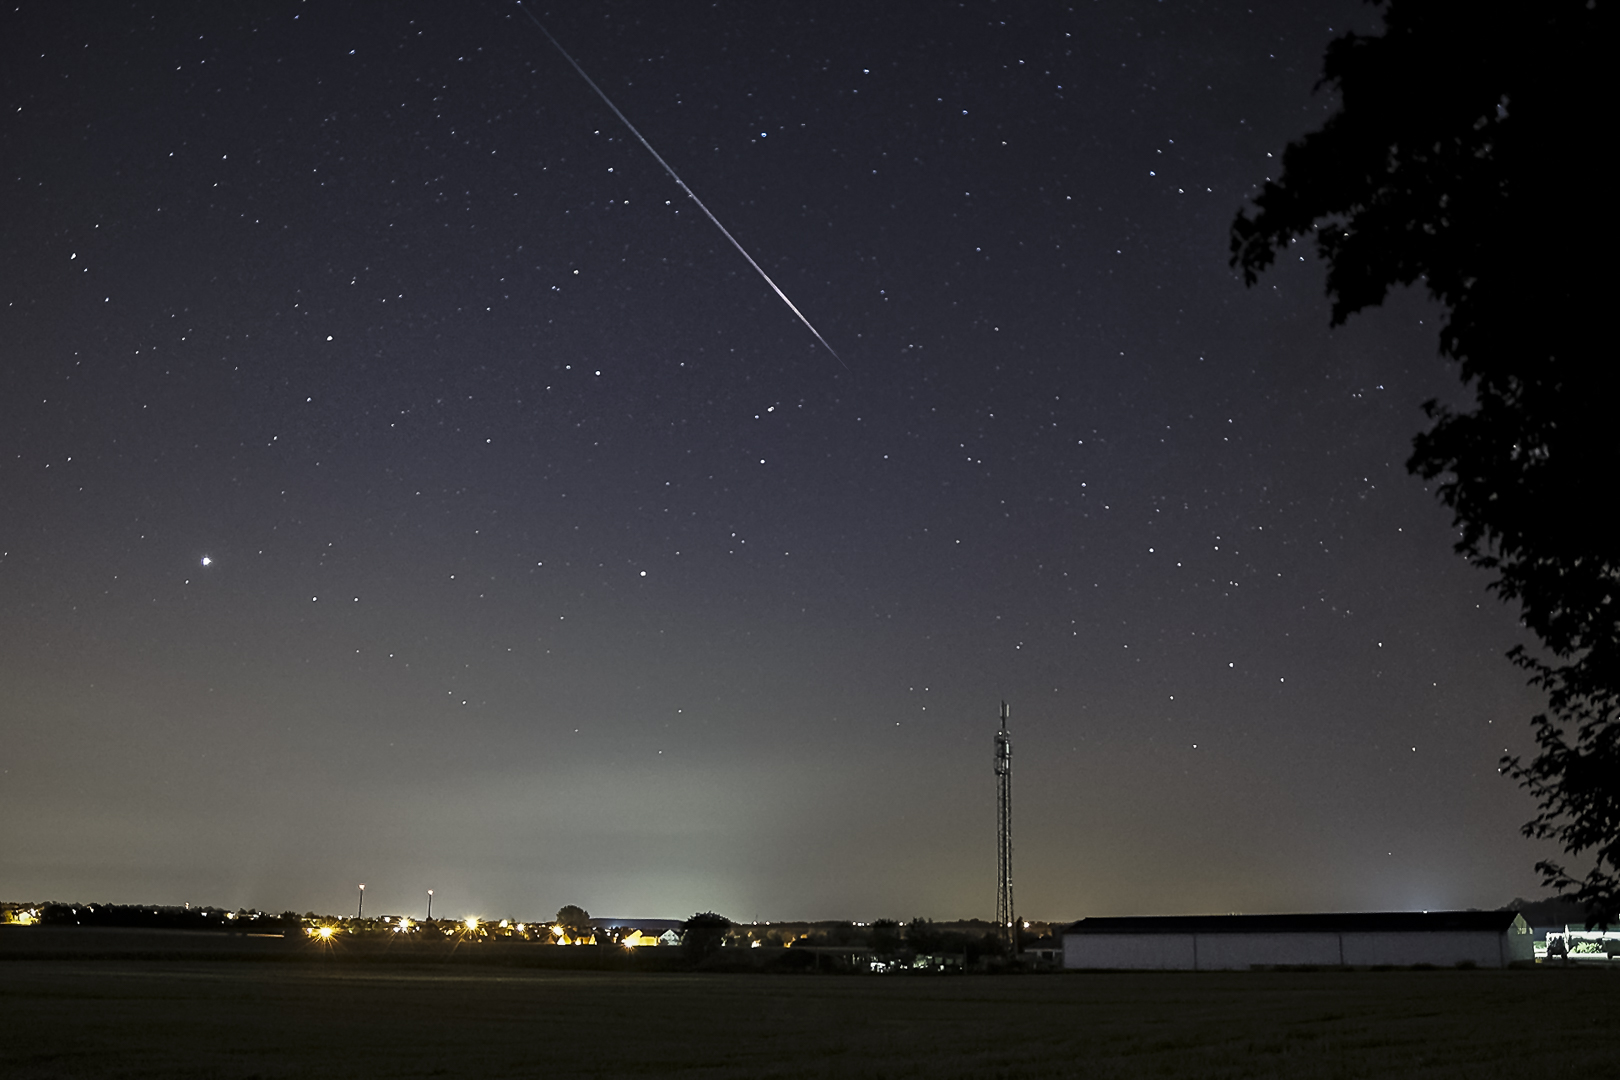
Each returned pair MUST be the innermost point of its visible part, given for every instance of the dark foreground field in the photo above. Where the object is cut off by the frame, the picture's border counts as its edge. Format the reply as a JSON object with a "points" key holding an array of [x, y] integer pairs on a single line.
{"points": [[141, 1018]]}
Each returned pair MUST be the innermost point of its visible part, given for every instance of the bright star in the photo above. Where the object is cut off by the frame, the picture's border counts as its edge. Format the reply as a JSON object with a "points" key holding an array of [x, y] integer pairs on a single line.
{"points": [[206, 561]]}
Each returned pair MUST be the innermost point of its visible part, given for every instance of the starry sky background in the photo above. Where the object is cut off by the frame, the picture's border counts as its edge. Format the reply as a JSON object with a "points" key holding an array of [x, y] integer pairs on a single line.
{"points": [[553, 561]]}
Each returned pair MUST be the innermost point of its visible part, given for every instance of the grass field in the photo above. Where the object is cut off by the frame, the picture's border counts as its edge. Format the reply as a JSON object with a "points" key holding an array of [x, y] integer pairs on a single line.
{"points": [[243, 1019]]}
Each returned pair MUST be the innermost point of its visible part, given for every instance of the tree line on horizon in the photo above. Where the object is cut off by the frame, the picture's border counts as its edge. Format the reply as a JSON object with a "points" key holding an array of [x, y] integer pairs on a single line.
{"points": [[703, 932]]}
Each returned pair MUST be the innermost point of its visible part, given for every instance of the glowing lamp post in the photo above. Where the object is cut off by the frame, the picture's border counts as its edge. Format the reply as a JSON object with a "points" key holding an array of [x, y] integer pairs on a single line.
{"points": [[430, 905], [361, 911]]}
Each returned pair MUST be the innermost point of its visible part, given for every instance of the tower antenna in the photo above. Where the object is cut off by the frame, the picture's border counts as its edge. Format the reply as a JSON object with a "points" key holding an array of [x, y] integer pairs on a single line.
{"points": [[1005, 917]]}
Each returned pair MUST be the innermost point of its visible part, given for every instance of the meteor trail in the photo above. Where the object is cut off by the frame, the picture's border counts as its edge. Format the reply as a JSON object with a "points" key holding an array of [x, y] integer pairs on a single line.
{"points": [[673, 175]]}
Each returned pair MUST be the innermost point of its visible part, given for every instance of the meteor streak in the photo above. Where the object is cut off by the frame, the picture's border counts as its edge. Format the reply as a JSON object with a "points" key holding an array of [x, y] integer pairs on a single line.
{"points": [[673, 175]]}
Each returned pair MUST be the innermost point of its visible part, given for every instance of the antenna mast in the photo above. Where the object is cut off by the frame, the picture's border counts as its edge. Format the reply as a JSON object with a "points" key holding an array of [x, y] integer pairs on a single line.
{"points": [[1004, 889]]}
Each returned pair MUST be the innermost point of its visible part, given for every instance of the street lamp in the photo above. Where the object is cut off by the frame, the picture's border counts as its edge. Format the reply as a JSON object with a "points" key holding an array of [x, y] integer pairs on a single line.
{"points": [[359, 914], [430, 905]]}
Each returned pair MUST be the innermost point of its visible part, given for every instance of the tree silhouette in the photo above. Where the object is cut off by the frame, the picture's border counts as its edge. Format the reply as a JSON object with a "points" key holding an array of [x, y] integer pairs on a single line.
{"points": [[703, 934], [886, 938], [923, 937], [575, 920], [1467, 155]]}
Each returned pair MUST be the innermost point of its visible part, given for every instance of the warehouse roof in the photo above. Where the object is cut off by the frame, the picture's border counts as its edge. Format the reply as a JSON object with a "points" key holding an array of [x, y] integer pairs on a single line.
{"points": [[1317, 922]]}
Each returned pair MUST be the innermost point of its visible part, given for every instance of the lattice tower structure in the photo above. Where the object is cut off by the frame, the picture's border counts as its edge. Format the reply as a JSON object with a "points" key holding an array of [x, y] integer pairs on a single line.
{"points": [[1005, 916]]}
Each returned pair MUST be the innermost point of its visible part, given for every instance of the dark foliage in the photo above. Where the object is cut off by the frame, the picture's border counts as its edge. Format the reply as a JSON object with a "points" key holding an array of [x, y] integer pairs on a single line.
{"points": [[703, 934], [1553, 911], [842, 933], [158, 917], [1467, 155], [574, 919], [923, 937], [885, 938]]}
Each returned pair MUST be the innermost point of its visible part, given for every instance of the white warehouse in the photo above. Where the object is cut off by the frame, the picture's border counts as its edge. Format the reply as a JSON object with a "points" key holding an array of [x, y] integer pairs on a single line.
{"points": [[1355, 939]]}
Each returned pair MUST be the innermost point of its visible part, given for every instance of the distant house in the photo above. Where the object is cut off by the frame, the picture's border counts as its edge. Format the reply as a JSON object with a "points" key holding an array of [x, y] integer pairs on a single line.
{"points": [[1354, 939], [1045, 951], [640, 932]]}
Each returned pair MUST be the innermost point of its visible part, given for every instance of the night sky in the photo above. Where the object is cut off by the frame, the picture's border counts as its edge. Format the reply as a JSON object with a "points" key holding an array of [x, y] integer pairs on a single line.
{"points": [[401, 482]]}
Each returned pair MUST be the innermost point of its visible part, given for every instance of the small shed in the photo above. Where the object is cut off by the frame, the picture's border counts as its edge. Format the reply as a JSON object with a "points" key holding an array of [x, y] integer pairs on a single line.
{"points": [[1350, 939]]}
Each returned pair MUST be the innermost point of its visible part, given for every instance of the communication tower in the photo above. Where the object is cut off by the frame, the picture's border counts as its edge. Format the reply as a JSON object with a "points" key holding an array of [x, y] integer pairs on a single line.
{"points": [[1004, 890]]}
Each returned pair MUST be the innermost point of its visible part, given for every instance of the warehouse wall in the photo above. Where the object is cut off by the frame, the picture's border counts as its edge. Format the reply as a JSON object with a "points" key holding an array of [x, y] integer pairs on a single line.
{"points": [[1440, 947], [1136, 952], [1215, 952], [1241, 951]]}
